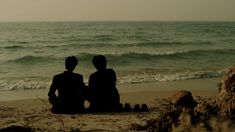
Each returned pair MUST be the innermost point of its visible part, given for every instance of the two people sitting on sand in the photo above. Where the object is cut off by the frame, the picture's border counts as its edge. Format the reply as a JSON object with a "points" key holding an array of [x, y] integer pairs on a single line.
{"points": [[101, 92]]}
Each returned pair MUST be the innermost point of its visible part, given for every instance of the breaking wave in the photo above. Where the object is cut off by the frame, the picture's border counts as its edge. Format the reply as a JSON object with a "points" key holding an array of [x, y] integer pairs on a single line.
{"points": [[27, 84]]}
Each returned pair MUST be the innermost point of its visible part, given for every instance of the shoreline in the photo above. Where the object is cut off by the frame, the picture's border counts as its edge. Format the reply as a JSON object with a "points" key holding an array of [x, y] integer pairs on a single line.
{"points": [[202, 87]]}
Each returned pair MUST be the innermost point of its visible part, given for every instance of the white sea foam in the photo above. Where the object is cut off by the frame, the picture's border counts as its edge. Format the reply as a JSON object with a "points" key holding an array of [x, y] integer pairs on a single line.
{"points": [[138, 78], [6, 85], [27, 84]]}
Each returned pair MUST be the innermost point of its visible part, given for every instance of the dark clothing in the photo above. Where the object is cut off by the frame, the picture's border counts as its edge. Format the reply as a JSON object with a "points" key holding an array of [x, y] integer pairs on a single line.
{"points": [[102, 92], [70, 87]]}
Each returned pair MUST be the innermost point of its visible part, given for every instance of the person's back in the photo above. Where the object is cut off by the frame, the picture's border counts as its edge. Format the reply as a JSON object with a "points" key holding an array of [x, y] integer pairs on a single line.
{"points": [[70, 88], [104, 95]]}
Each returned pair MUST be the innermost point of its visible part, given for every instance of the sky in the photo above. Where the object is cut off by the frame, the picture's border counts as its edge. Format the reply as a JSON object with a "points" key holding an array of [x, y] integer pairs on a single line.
{"points": [[117, 10]]}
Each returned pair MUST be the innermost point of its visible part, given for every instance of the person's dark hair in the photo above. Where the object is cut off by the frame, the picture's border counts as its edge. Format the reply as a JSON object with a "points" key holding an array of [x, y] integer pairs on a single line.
{"points": [[71, 62], [99, 62]]}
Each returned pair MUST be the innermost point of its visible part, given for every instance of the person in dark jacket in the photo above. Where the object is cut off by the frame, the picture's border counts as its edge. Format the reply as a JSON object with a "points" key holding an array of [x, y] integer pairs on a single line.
{"points": [[102, 92], [70, 87]]}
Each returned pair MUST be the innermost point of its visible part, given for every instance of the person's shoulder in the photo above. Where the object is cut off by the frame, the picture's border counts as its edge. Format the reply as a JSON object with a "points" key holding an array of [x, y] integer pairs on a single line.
{"points": [[77, 75], [110, 70], [58, 75], [93, 75]]}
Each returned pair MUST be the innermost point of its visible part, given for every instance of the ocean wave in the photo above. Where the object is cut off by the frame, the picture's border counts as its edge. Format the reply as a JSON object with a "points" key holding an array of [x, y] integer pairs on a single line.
{"points": [[31, 47], [208, 53], [105, 37], [132, 56], [88, 44], [32, 59], [162, 55], [25, 84], [170, 43], [28, 84], [140, 78], [17, 42], [13, 47]]}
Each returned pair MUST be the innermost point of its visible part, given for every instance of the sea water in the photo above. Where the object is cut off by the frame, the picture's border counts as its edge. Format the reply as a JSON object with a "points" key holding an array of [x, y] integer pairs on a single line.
{"points": [[32, 52]]}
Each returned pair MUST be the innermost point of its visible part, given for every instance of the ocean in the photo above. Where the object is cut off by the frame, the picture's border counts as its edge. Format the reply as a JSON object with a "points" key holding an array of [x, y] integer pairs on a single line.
{"points": [[31, 53]]}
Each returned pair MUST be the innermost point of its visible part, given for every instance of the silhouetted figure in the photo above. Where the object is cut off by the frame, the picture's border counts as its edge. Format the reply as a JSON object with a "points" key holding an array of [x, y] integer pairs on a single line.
{"points": [[102, 92], [70, 88]]}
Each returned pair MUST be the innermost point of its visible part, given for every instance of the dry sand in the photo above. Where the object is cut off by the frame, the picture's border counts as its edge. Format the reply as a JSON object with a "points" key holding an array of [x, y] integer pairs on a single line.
{"points": [[31, 109]]}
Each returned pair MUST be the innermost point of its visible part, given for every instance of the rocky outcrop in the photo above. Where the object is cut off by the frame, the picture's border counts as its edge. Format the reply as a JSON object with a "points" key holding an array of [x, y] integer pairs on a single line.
{"points": [[226, 96], [182, 99], [209, 114]]}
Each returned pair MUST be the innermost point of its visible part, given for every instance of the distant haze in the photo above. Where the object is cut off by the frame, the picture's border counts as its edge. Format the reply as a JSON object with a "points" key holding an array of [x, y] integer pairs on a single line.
{"points": [[117, 10]]}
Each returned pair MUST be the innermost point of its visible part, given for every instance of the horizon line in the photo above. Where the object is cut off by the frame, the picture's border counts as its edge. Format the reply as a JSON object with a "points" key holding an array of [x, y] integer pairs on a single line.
{"points": [[122, 21]]}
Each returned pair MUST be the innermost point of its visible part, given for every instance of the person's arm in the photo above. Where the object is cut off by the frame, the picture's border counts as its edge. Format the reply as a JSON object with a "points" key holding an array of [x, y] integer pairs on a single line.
{"points": [[83, 84], [89, 91], [83, 88], [90, 82], [51, 93], [114, 77]]}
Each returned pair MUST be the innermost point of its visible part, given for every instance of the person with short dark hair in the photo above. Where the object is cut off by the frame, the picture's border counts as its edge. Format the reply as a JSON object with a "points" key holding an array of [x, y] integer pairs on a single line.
{"points": [[102, 92], [70, 87]]}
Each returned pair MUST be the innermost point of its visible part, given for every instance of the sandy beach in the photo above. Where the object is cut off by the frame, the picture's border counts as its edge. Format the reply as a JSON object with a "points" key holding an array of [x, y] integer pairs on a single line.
{"points": [[152, 60], [30, 108]]}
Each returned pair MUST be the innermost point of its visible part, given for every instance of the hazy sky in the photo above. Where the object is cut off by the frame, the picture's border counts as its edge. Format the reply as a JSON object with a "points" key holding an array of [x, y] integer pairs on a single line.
{"points": [[117, 10]]}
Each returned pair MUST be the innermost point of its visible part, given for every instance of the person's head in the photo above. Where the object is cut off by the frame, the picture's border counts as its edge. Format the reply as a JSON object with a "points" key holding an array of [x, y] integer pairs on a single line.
{"points": [[70, 63], [99, 62]]}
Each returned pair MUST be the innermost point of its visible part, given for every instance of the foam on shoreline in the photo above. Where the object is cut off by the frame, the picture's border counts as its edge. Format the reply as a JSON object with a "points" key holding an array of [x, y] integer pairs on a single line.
{"points": [[14, 84]]}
